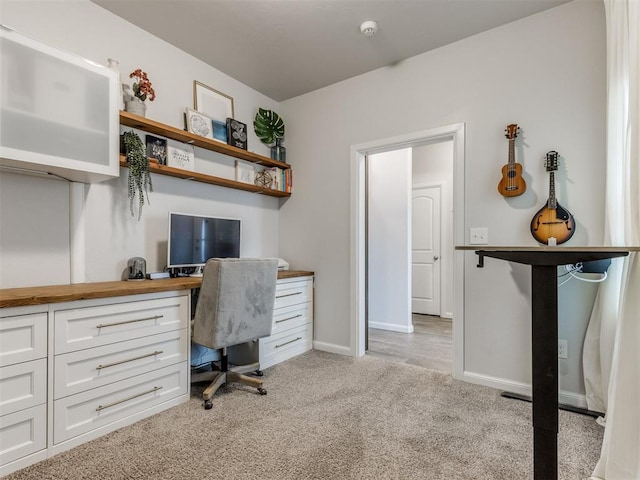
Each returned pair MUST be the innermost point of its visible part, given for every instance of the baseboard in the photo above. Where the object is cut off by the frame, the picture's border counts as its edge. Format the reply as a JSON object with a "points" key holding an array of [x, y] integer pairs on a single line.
{"points": [[391, 327], [331, 348], [569, 398]]}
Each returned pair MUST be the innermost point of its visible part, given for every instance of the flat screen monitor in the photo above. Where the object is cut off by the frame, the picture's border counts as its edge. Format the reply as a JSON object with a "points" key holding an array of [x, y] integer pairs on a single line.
{"points": [[193, 239]]}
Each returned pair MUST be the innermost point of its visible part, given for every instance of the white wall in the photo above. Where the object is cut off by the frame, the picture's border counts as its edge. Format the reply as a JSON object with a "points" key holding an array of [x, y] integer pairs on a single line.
{"points": [[433, 165], [546, 73], [389, 249], [35, 213]]}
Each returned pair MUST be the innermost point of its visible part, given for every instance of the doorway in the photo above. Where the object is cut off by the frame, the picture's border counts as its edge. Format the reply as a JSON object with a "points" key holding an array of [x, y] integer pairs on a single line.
{"points": [[455, 134], [406, 192]]}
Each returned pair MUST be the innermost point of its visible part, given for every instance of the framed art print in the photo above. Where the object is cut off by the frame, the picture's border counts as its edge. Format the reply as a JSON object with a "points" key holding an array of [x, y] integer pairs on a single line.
{"points": [[211, 102], [199, 124], [219, 131], [180, 155]]}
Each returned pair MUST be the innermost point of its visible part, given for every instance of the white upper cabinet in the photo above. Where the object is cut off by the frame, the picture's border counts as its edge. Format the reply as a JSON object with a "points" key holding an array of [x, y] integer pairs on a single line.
{"points": [[58, 112]]}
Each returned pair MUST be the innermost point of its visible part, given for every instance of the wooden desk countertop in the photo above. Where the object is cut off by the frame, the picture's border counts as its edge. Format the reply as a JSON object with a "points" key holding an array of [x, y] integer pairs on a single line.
{"points": [[20, 297]]}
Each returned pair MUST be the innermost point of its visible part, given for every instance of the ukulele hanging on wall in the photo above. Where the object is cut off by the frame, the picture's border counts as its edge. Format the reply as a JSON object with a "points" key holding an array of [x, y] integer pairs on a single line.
{"points": [[512, 184], [552, 221]]}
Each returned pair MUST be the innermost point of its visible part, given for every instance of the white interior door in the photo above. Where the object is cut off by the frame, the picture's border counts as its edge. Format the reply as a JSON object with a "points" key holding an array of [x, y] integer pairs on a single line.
{"points": [[425, 250]]}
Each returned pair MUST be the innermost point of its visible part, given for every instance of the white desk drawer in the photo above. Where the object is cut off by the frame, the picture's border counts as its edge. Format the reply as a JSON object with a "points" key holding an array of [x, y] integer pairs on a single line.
{"points": [[86, 411], [293, 292], [23, 338], [88, 327], [95, 367], [290, 317], [23, 385], [292, 342], [23, 433]]}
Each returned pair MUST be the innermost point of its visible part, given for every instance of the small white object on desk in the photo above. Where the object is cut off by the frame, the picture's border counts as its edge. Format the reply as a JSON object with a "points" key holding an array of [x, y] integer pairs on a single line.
{"points": [[551, 241]]}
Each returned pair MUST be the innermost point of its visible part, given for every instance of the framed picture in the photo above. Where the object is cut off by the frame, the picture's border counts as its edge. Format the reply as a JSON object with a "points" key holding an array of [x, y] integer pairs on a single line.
{"points": [[219, 131], [211, 102], [156, 149], [181, 155], [236, 133], [245, 172], [199, 124]]}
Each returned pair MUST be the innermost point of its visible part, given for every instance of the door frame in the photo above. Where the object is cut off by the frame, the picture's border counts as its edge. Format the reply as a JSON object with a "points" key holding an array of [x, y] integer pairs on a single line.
{"points": [[454, 132]]}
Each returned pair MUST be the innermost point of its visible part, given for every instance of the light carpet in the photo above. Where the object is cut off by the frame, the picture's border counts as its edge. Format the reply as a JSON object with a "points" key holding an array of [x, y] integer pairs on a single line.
{"points": [[333, 417]]}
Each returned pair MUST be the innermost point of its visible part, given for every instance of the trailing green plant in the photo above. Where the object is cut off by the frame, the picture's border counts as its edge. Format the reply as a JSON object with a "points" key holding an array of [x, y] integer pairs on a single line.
{"points": [[268, 126], [139, 177]]}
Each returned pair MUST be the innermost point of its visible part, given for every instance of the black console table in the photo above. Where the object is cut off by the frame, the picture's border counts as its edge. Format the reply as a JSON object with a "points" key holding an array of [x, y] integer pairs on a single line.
{"points": [[544, 263]]}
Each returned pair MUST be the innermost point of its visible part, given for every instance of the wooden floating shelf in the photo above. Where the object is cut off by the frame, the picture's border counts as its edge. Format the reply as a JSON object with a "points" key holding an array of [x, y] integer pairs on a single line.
{"points": [[151, 126], [135, 121], [203, 178]]}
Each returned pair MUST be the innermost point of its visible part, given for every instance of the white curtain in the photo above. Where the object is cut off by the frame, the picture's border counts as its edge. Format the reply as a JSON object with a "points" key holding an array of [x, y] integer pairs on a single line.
{"points": [[612, 344]]}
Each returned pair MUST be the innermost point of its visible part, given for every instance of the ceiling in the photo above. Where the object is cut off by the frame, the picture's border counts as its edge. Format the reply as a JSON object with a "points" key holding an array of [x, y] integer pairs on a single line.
{"points": [[285, 48]]}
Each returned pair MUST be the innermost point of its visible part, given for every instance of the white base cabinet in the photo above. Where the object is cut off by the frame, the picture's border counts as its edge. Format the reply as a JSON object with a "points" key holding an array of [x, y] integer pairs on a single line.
{"points": [[71, 372], [292, 330]]}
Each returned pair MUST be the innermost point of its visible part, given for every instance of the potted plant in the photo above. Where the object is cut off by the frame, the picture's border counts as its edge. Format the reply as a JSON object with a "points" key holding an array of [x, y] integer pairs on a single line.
{"points": [[139, 176], [269, 128], [142, 90]]}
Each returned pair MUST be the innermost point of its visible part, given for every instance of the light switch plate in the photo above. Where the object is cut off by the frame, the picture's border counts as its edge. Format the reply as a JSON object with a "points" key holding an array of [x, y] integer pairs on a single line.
{"points": [[478, 236]]}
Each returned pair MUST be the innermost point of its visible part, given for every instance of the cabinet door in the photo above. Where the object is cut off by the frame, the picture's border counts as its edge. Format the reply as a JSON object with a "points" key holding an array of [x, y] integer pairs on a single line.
{"points": [[58, 111]]}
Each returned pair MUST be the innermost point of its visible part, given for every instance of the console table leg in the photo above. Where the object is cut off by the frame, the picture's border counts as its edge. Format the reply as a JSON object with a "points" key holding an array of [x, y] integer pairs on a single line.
{"points": [[544, 336]]}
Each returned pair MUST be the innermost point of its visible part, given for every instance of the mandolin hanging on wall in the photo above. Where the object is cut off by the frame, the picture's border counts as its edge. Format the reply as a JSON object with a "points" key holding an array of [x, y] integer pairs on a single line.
{"points": [[512, 184], [552, 221]]}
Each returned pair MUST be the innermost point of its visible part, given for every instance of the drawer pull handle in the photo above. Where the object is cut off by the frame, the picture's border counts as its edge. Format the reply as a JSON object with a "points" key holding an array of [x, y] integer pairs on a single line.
{"points": [[288, 295], [287, 343], [157, 352], [102, 407], [103, 325], [290, 318]]}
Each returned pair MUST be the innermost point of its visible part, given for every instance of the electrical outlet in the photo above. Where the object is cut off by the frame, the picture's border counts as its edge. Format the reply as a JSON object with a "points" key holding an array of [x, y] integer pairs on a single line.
{"points": [[479, 236], [563, 349]]}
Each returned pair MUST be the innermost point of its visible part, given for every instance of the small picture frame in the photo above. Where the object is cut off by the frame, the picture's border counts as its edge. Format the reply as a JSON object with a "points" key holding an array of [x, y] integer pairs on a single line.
{"points": [[212, 103], [156, 149], [245, 172], [199, 124], [219, 131], [236, 133], [180, 155]]}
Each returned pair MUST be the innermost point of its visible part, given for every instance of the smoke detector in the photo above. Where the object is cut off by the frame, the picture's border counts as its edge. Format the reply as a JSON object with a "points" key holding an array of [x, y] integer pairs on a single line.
{"points": [[369, 28]]}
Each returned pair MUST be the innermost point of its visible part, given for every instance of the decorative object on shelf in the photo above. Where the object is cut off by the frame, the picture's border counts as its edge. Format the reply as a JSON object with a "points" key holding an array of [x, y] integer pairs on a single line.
{"points": [[264, 179], [219, 131], [211, 102], [278, 152], [142, 90], [139, 179], [156, 149], [269, 128], [113, 64], [236, 133], [245, 172], [199, 124], [180, 155]]}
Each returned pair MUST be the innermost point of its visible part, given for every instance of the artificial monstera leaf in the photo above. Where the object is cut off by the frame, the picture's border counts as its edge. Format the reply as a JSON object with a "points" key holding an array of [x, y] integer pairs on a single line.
{"points": [[268, 126]]}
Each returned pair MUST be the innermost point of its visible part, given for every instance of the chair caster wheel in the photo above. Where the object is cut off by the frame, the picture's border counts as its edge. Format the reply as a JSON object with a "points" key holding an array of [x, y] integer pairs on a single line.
{"points": [[258, 373], [262, 391], [208, 404]]}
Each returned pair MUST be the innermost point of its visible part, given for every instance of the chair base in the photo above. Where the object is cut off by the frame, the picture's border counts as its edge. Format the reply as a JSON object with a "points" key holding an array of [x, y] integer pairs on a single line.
{"points": [[219, 378]]}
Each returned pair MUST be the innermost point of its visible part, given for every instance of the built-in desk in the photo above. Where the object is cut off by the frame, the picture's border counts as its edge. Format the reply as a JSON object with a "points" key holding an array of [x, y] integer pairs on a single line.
{"points": [[78, 361], [18, 297], [544, 263]]}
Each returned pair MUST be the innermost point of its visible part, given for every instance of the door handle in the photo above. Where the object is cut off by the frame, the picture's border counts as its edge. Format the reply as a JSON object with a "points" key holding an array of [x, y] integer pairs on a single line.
{"points": [[435, 258]]}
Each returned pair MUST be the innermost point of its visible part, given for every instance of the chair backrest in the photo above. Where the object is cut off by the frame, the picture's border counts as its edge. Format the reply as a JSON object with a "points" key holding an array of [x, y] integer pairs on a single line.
{"points": [[236, 300]]}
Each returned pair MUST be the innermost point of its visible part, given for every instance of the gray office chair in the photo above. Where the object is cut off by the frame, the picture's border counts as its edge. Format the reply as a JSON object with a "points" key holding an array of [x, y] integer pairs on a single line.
{"points": [[235, 306]]}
